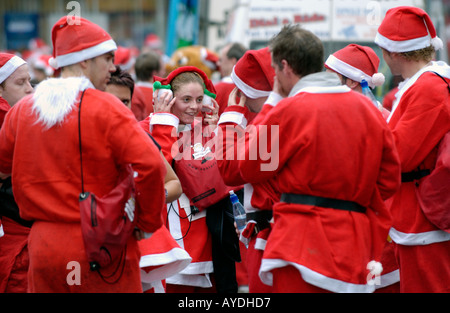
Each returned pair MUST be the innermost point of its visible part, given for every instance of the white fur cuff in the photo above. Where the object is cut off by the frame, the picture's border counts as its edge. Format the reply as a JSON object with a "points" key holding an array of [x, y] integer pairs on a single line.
{"points": [[273, 99], [233, 117], [164, 119]]}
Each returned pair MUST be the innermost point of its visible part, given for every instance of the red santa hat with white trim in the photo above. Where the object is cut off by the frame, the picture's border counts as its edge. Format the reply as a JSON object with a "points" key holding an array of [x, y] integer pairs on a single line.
{"points": [[42, 63], [76, 40], [357, 62], [124, 58], [9, 63], [407, 29], [253, 73]]}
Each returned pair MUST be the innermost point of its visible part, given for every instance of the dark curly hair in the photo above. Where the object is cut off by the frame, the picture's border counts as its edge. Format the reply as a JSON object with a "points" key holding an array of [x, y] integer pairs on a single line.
{"points": [[122, 78]]}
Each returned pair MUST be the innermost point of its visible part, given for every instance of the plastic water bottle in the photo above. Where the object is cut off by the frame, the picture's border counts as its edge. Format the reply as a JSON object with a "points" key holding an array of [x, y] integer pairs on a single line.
{"points": [[238, 211], [368, 93]]}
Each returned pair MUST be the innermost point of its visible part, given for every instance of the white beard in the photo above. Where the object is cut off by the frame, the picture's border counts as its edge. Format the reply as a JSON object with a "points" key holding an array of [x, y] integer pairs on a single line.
{"points": [[55, 98]]}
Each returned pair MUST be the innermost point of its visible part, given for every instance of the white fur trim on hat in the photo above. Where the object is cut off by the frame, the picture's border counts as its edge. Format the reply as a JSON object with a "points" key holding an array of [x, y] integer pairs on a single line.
{"points": [[248, 90], [407, 45], [354, 73], [10, 67], [83, 55]]}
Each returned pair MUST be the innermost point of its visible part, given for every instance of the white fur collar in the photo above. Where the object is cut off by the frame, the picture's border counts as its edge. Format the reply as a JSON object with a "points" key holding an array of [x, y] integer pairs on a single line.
{"points": [[55, 98]]}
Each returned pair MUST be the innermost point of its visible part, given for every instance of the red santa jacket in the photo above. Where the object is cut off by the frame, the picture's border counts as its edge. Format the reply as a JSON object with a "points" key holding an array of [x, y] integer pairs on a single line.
{"points": [[45, 164], [142, 101], [419, 120], [42, 183], [330, 142]]}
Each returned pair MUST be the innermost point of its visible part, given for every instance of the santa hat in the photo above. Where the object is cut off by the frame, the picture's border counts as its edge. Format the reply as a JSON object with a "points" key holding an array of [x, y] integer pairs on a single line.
{"points": [[42, 63], [152, 41], [209, 59], [9, 63], [253, 73], [76, 41], [407, 29], [124, 58], [163, 84], [357, 63]]}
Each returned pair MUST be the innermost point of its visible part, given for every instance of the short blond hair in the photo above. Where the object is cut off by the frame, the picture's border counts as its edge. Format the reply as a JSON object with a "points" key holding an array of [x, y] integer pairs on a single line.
{"points": [[426, 54]]}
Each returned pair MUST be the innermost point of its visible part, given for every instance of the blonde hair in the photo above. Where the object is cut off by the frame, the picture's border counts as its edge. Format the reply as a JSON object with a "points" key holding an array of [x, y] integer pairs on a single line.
{"points": [[186, 78], [426, 54]]}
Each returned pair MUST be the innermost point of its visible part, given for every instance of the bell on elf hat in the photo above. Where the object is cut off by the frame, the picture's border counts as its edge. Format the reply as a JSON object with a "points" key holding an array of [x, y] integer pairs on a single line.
{"points": [[357, 62], [9, 63], [253, 73], [407, 29], [80, 41]]}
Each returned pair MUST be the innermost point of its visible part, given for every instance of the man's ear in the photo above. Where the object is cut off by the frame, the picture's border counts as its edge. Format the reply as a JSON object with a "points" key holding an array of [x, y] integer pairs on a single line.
{"points": [[351, 83], [286, 68], [84, 64]]}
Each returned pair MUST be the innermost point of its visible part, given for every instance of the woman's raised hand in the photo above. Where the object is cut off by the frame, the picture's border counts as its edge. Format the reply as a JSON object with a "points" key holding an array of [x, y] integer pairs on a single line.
{"points": [[163, 101]]}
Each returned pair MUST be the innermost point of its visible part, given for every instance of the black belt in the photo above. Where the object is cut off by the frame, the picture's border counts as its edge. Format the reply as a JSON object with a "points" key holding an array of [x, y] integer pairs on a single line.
{"points": [[414, 175], [262, 219], [323, 202]]}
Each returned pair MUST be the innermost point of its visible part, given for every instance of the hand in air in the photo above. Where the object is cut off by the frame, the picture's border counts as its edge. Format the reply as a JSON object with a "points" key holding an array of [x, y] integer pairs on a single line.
{"points": [[234, 96], [211, 113], [163, 101]]}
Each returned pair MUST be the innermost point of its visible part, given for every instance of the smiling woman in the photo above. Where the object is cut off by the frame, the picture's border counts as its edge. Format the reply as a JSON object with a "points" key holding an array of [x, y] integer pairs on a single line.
{"points": [[188, 90], [185, 140]]}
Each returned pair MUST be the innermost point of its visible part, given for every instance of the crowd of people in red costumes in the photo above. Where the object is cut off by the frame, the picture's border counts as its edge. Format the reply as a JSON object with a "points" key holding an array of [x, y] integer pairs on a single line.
{"points": [[329, 180]]}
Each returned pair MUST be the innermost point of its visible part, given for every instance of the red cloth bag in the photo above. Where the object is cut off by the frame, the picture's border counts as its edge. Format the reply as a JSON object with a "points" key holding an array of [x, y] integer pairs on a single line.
{"points": [[200, 179], [433, 192], [105, 226], [104, 223]]}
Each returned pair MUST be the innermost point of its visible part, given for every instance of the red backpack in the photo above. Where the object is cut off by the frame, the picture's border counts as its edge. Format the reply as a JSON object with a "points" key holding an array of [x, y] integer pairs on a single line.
{"points": [[199, 174]]}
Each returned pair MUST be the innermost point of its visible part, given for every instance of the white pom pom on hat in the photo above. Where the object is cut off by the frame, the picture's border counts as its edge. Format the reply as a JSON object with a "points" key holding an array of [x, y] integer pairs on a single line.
{"points": [[378, 79], [53, 63], [437, 43]]}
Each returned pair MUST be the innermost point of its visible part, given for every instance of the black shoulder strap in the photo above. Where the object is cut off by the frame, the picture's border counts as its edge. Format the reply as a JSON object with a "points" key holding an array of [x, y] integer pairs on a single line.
{"points": [[445, 81], [79, 141]]}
